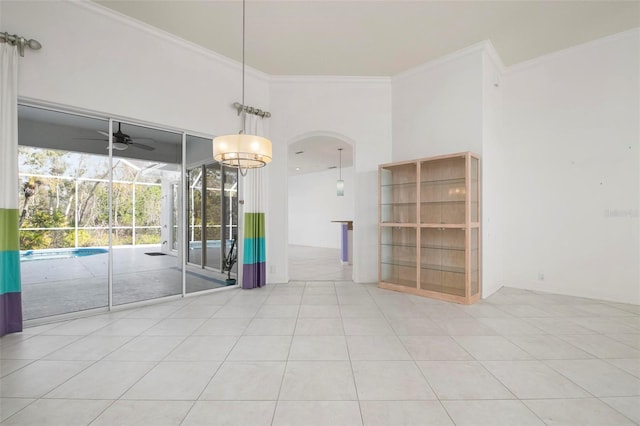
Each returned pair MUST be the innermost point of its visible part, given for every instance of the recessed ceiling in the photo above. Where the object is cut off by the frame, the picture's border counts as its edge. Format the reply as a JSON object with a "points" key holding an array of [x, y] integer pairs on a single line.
{"points": [[379, 38], [318, 154]]}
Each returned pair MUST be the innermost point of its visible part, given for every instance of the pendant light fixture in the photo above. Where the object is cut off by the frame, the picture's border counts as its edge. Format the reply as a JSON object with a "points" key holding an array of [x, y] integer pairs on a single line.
{"points": [[242, 151], [340, 184]]}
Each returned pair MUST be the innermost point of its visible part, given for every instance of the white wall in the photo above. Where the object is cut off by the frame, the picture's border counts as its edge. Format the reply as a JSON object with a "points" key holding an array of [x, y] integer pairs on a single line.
{"points": [[437, 107], [313, 204], [95, 59], [355, 110], [561, 169], [571, 198], [452, 105], [493, 177]]}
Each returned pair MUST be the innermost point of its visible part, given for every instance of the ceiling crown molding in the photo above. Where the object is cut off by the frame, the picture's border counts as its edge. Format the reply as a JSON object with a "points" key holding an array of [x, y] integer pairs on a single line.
{"points": [[167, 36], [491, 51], [484, 46], [634, 32], [333, 79]]}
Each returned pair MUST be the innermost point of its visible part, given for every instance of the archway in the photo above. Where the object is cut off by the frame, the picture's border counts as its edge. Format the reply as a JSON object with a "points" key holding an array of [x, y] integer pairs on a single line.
{"points": [[316, 247]]}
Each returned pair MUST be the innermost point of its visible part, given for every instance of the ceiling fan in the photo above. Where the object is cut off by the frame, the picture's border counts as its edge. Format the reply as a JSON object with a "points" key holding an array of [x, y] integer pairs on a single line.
{"points": [[122, 141]]}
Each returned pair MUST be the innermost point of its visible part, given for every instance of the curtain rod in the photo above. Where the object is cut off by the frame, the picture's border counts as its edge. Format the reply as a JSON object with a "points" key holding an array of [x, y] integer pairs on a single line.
{"points": [[251, 110], [20, 41]]}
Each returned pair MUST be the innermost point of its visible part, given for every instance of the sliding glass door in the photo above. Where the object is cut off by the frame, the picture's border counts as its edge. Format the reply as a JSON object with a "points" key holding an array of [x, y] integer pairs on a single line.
{"points": [[145, 165], [86, 207], [212, 206], [64, 222], [114, 213]]}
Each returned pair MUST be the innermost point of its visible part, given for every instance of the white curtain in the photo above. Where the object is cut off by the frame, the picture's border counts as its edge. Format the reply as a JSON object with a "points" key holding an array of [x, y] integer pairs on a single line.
{"points": [[10, 291], [254, 261]]}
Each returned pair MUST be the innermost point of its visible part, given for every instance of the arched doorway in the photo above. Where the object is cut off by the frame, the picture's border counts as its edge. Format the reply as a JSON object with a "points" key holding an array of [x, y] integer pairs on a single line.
{"points": [[315, 210]]}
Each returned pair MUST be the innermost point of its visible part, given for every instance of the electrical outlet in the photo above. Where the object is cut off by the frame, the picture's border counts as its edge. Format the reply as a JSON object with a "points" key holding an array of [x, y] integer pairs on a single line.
{"points": [[540, 276], [272, 269]]}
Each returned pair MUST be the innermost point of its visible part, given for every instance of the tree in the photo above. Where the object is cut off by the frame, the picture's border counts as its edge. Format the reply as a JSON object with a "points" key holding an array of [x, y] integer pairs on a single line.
{"points": [[29, 189], [72, 190]]}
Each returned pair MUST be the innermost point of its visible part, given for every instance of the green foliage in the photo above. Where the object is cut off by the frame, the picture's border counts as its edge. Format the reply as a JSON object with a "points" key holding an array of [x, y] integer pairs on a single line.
{"points": [[147, 238], [85, 239], [40, 239], [60, 201], [78, 194], [148, 205], [122, 237], [33, 240]]}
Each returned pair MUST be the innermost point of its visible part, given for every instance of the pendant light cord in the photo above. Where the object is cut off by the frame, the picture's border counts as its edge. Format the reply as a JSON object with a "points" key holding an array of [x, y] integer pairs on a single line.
{"points": [[340, 149], [244, 113], [243, 172]]}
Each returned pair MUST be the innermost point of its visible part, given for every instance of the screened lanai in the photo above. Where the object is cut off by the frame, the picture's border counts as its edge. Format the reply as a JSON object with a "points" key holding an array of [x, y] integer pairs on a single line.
{"points": [[105, 221]]}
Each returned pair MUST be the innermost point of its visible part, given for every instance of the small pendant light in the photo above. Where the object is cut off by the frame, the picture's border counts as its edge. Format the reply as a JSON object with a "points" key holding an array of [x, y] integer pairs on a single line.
{"points": [[340, 183]]}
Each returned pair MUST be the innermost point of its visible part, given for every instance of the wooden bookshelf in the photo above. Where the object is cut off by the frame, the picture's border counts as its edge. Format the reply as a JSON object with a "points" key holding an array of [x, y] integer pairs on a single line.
{"points": [[429, 227]]}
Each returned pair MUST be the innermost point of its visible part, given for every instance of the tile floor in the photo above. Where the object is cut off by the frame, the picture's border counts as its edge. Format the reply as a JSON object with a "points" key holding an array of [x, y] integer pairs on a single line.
{"points": [[330, 353], [317, 264]]}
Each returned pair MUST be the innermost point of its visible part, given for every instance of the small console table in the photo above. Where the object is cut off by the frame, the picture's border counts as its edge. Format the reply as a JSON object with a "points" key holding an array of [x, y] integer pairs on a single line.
{"points": [[346, 238]]}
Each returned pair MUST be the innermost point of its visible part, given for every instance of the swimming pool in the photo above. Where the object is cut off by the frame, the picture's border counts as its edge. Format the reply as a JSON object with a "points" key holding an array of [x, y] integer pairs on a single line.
{"points": [[195, 245], [48, 254]]}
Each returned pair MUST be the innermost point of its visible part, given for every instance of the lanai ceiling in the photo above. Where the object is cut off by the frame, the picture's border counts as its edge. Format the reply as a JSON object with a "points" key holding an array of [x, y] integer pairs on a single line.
{"points": [[379, 38]]}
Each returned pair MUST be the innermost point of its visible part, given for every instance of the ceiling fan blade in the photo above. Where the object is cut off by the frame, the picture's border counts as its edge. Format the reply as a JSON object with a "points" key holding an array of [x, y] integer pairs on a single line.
{"points": [[103, 133], [91, 139], [142, 146]]}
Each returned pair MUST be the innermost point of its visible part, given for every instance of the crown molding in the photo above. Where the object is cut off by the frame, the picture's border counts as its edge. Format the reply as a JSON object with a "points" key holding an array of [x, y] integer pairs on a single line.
{"points": [[634, 32], [484, 46], [166, 36], [332, 79], [467, 51], [491, 51]]}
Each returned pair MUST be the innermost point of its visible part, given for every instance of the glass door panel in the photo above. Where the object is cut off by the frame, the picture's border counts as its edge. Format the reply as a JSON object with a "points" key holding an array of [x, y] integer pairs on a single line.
{"points": [[206, 217], [474, 183], [145, 164], [213, 215], [194, 215], [230, 215], [474, 254], [398, 194], [64, 172], [212, 206], [443, 191], [175, 215], [398, 256], [442, 260]]}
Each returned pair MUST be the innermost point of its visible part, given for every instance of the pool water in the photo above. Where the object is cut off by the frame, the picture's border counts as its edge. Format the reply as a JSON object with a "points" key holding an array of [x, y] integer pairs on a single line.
{"points": [[48, 254], [194, 245]]}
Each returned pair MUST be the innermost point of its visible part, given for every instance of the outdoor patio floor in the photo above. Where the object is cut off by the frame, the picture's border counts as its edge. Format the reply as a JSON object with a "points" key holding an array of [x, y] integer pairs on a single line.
{"points": [[59, 286]]}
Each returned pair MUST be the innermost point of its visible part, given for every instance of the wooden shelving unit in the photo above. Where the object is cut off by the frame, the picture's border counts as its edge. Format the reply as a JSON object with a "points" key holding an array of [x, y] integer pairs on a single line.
{"points": [[429, 223]]}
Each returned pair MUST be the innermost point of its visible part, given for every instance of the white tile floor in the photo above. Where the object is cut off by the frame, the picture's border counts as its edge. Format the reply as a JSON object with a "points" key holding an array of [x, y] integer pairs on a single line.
{"points": [[317, 263], [330, 353]]}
